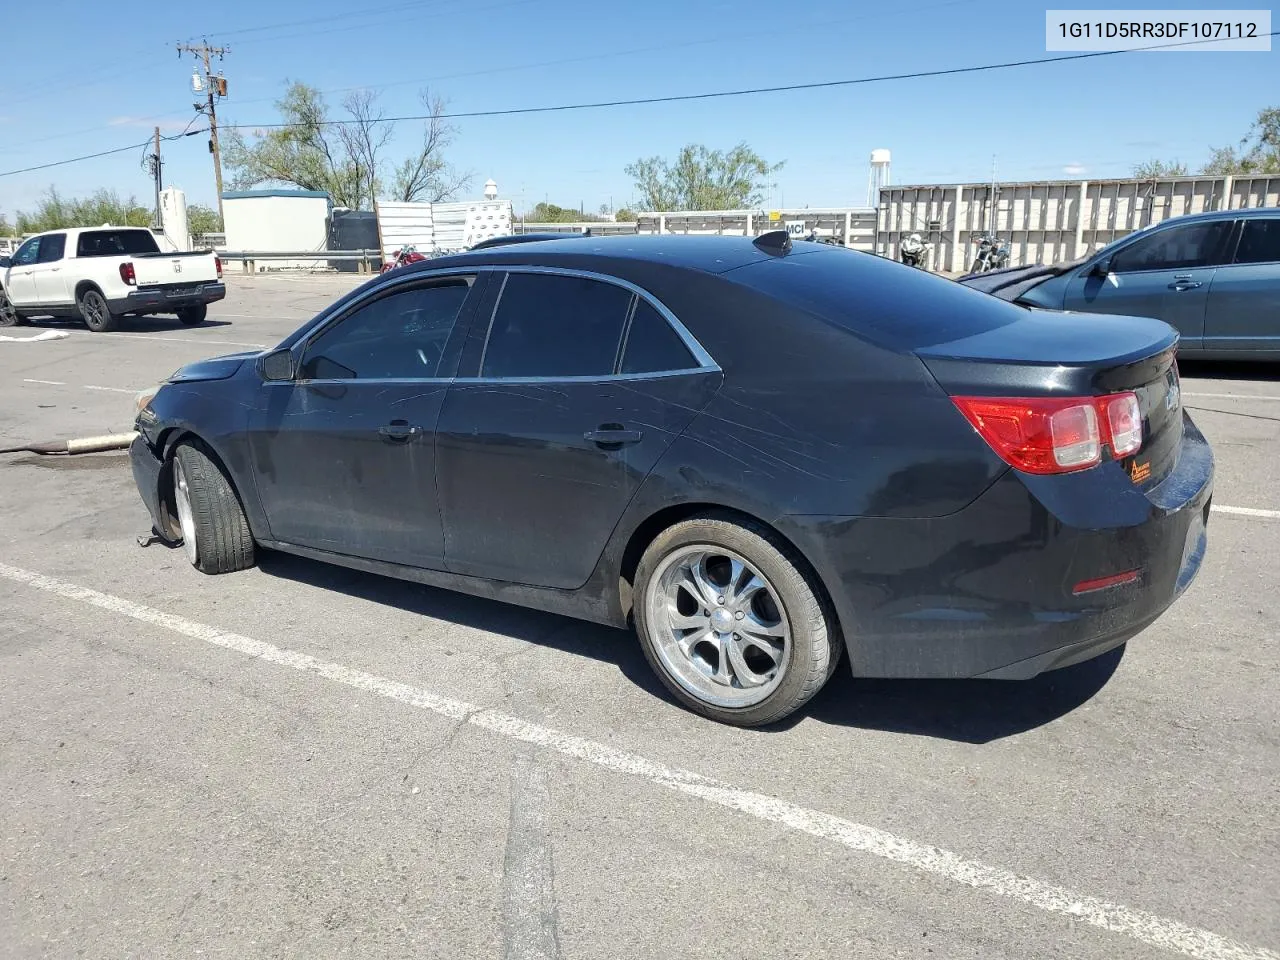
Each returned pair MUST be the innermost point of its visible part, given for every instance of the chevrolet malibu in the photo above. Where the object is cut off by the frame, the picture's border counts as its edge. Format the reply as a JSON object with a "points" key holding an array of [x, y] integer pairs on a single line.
{"points": [[759, 454]]}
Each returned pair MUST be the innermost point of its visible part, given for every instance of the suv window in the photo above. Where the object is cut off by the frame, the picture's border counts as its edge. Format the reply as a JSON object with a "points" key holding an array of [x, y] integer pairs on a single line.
{"points": [[548, 325], [52, 248], [653, 346], [27, 253], [401, 336], [115, 243], [1191, 245], [1259, 241]]}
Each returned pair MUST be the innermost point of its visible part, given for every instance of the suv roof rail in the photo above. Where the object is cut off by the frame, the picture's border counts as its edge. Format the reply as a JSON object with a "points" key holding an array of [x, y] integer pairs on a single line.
{"points": [[525, 238]]}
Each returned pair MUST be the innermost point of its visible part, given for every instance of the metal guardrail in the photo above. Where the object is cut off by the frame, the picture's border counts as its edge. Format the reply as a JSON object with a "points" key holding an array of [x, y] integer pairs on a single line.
{"points": [[249, 258]]}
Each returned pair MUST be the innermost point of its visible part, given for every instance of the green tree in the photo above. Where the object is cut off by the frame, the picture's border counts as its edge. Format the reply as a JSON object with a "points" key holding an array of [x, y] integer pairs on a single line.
{"points": [[6, 228], [550, 213], [202, 219], [625, 215], [344, 158], [1156, 169], [54, 212], [703, 179], [1258, 152]]}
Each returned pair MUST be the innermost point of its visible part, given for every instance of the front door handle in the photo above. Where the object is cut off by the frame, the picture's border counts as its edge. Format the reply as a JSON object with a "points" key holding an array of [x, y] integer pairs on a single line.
{"points": [[398, 431], [1184, 284], [611, 436]]}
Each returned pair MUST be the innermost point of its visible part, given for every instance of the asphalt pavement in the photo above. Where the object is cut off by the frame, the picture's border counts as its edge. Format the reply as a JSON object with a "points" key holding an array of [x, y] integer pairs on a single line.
{"points": [[304, 761]]}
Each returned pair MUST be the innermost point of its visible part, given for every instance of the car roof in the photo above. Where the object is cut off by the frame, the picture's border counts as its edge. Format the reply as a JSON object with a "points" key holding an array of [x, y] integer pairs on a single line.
{"points": [[707, 254], [1210, 215]]}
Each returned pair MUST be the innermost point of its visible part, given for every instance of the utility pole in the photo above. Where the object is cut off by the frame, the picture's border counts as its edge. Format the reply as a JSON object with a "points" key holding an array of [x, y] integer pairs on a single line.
{"points": [[155, 174], [216, 87], [993, 195]]}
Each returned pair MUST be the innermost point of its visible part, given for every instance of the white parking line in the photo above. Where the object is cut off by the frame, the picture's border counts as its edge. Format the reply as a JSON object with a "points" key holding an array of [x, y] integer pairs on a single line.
{"points": [[47, 383], [196, 340], [1146, 927], [1247, 512], [1228, 396], [88, 386]]}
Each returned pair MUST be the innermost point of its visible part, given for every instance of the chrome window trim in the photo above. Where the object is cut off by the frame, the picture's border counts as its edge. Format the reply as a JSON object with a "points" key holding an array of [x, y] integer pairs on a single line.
{"points": [[706, 364]]}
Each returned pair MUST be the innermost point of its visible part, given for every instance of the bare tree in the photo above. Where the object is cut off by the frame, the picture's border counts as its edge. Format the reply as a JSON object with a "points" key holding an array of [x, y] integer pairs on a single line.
{"points": [[425, 175], [363, 138]]}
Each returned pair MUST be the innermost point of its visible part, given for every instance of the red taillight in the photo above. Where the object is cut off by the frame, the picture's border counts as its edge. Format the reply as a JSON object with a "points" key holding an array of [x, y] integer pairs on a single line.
{"points": [[217, 262], [127, 274], [1056, 434]]}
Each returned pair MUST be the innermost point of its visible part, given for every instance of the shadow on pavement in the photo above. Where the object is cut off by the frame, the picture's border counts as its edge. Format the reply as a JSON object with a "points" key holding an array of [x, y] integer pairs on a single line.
{"points": [[1227, 370], [127, 324], [969, 711]]}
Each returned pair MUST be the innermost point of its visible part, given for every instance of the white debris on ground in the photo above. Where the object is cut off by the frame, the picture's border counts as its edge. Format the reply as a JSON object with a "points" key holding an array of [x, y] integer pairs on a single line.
{"points": [[46, 335]]}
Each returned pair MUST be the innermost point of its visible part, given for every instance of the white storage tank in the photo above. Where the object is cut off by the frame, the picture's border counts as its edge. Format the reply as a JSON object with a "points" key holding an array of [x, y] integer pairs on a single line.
{"points": [[277, 221]]}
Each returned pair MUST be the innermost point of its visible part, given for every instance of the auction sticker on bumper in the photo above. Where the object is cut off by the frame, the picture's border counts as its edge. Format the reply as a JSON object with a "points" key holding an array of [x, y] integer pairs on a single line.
{"points": [[1165, 30]]}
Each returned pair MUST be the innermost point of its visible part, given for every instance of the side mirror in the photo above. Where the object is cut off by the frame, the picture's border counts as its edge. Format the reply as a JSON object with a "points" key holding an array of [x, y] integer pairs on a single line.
{"points": [[277, 366], [1101, 268], [5, 263]]}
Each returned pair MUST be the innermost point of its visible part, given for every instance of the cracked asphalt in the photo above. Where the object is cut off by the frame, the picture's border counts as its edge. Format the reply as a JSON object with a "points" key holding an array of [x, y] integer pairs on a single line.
{"points": [[306, 761]]}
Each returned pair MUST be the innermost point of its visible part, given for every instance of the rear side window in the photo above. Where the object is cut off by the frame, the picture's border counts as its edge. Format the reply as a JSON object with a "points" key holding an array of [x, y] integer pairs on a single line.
{"points": [[1191, 245], [52, 248], [401, 336], [1259, 241], [115, 243], [653, 346], [548, 325]]}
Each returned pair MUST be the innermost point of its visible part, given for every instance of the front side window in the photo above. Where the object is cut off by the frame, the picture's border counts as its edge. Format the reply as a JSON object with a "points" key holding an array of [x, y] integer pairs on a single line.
{"points": [[1259, 241], [1191, 245], [548, 325], [27, 253], [400, 336], [52, 247]]}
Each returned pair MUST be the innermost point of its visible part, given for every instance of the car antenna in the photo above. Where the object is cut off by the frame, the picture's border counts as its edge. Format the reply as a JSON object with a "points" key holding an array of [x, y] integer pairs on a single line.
{"points": [[777, 242]]}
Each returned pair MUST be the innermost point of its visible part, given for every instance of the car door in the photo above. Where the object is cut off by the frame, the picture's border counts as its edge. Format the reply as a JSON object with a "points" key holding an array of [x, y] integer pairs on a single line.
{"points": [[344, 453], [1243, 314], [21, 285], [50, 277], [1165, 274], [572, 386]]}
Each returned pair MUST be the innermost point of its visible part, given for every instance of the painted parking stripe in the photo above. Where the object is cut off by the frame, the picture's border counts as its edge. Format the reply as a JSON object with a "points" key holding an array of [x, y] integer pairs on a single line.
{"points": [[89, 386], [47, 383], [1247, 512], [1146, 927], [194, 340], [1228, 396]]}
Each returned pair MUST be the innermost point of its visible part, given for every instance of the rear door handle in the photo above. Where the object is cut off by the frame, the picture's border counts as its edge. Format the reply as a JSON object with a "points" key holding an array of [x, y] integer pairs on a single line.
{"points": [[610, 436], [399, 431]]}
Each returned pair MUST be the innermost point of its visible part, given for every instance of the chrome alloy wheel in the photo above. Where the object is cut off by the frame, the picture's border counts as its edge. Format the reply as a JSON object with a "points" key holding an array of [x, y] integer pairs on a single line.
{"points": [[718, 626], [186, 519]]}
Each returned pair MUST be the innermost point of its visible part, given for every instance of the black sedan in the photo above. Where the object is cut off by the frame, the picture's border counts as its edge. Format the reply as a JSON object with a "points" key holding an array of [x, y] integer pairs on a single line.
{"points": [[760, 454]]}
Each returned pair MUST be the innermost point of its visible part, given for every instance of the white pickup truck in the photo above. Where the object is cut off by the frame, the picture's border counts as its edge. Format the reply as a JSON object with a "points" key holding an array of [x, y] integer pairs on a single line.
{"points": [[100, 274]]}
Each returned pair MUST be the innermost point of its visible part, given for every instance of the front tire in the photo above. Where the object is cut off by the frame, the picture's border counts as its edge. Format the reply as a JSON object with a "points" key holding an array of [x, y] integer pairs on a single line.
{"points": [[9, 316], [95, 312], [193, 315], [215, 533], [733, 622]]}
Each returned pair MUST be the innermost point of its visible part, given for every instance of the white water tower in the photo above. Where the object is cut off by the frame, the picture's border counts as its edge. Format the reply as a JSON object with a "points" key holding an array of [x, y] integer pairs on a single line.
{"points": [[490, 190], [878, 176]]}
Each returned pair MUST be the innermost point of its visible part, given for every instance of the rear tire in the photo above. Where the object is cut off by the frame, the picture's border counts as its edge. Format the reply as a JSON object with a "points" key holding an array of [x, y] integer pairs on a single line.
{"points": [[215, 533], [193, 315], [95, 312], [770, 640]]}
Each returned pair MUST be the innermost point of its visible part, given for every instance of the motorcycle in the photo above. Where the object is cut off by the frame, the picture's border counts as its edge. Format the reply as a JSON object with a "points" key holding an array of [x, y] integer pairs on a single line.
{"points": [[404, 256], [831, 241], [913, 250], [993, 254]]}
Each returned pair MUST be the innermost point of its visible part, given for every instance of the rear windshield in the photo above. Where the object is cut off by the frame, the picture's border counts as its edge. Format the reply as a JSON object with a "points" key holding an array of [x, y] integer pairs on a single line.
{"points": [[892, 305], [115, 243]]}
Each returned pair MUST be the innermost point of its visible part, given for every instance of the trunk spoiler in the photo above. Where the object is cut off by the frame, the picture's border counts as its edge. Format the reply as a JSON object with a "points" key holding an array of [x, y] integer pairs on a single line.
{"points": [[1010, 283]]}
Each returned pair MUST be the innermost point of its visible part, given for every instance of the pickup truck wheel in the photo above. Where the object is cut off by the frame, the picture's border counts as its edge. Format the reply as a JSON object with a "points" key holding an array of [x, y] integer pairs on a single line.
{"points": [[192, 315], [97, 315], [215, 533], [9, 316]]}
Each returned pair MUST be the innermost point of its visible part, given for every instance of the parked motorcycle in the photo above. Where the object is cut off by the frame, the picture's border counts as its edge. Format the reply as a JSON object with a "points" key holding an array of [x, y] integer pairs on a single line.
{"points": [[404, 256], [993, 254], [832, 241], [913, 249]]}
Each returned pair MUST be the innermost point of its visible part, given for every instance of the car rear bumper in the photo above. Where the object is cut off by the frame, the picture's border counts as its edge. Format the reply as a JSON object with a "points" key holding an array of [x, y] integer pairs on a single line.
{"points": [[989, 591], [147, 467], [169, 298]]}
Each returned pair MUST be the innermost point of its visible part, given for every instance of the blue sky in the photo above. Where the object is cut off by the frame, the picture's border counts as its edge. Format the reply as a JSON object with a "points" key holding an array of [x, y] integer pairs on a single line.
{"points": [[81, 77]]}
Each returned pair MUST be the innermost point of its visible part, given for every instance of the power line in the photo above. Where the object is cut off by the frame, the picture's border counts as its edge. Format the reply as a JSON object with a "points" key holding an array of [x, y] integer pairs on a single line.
{"points": [[94, 156], [675, 98], [748, 91]]}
